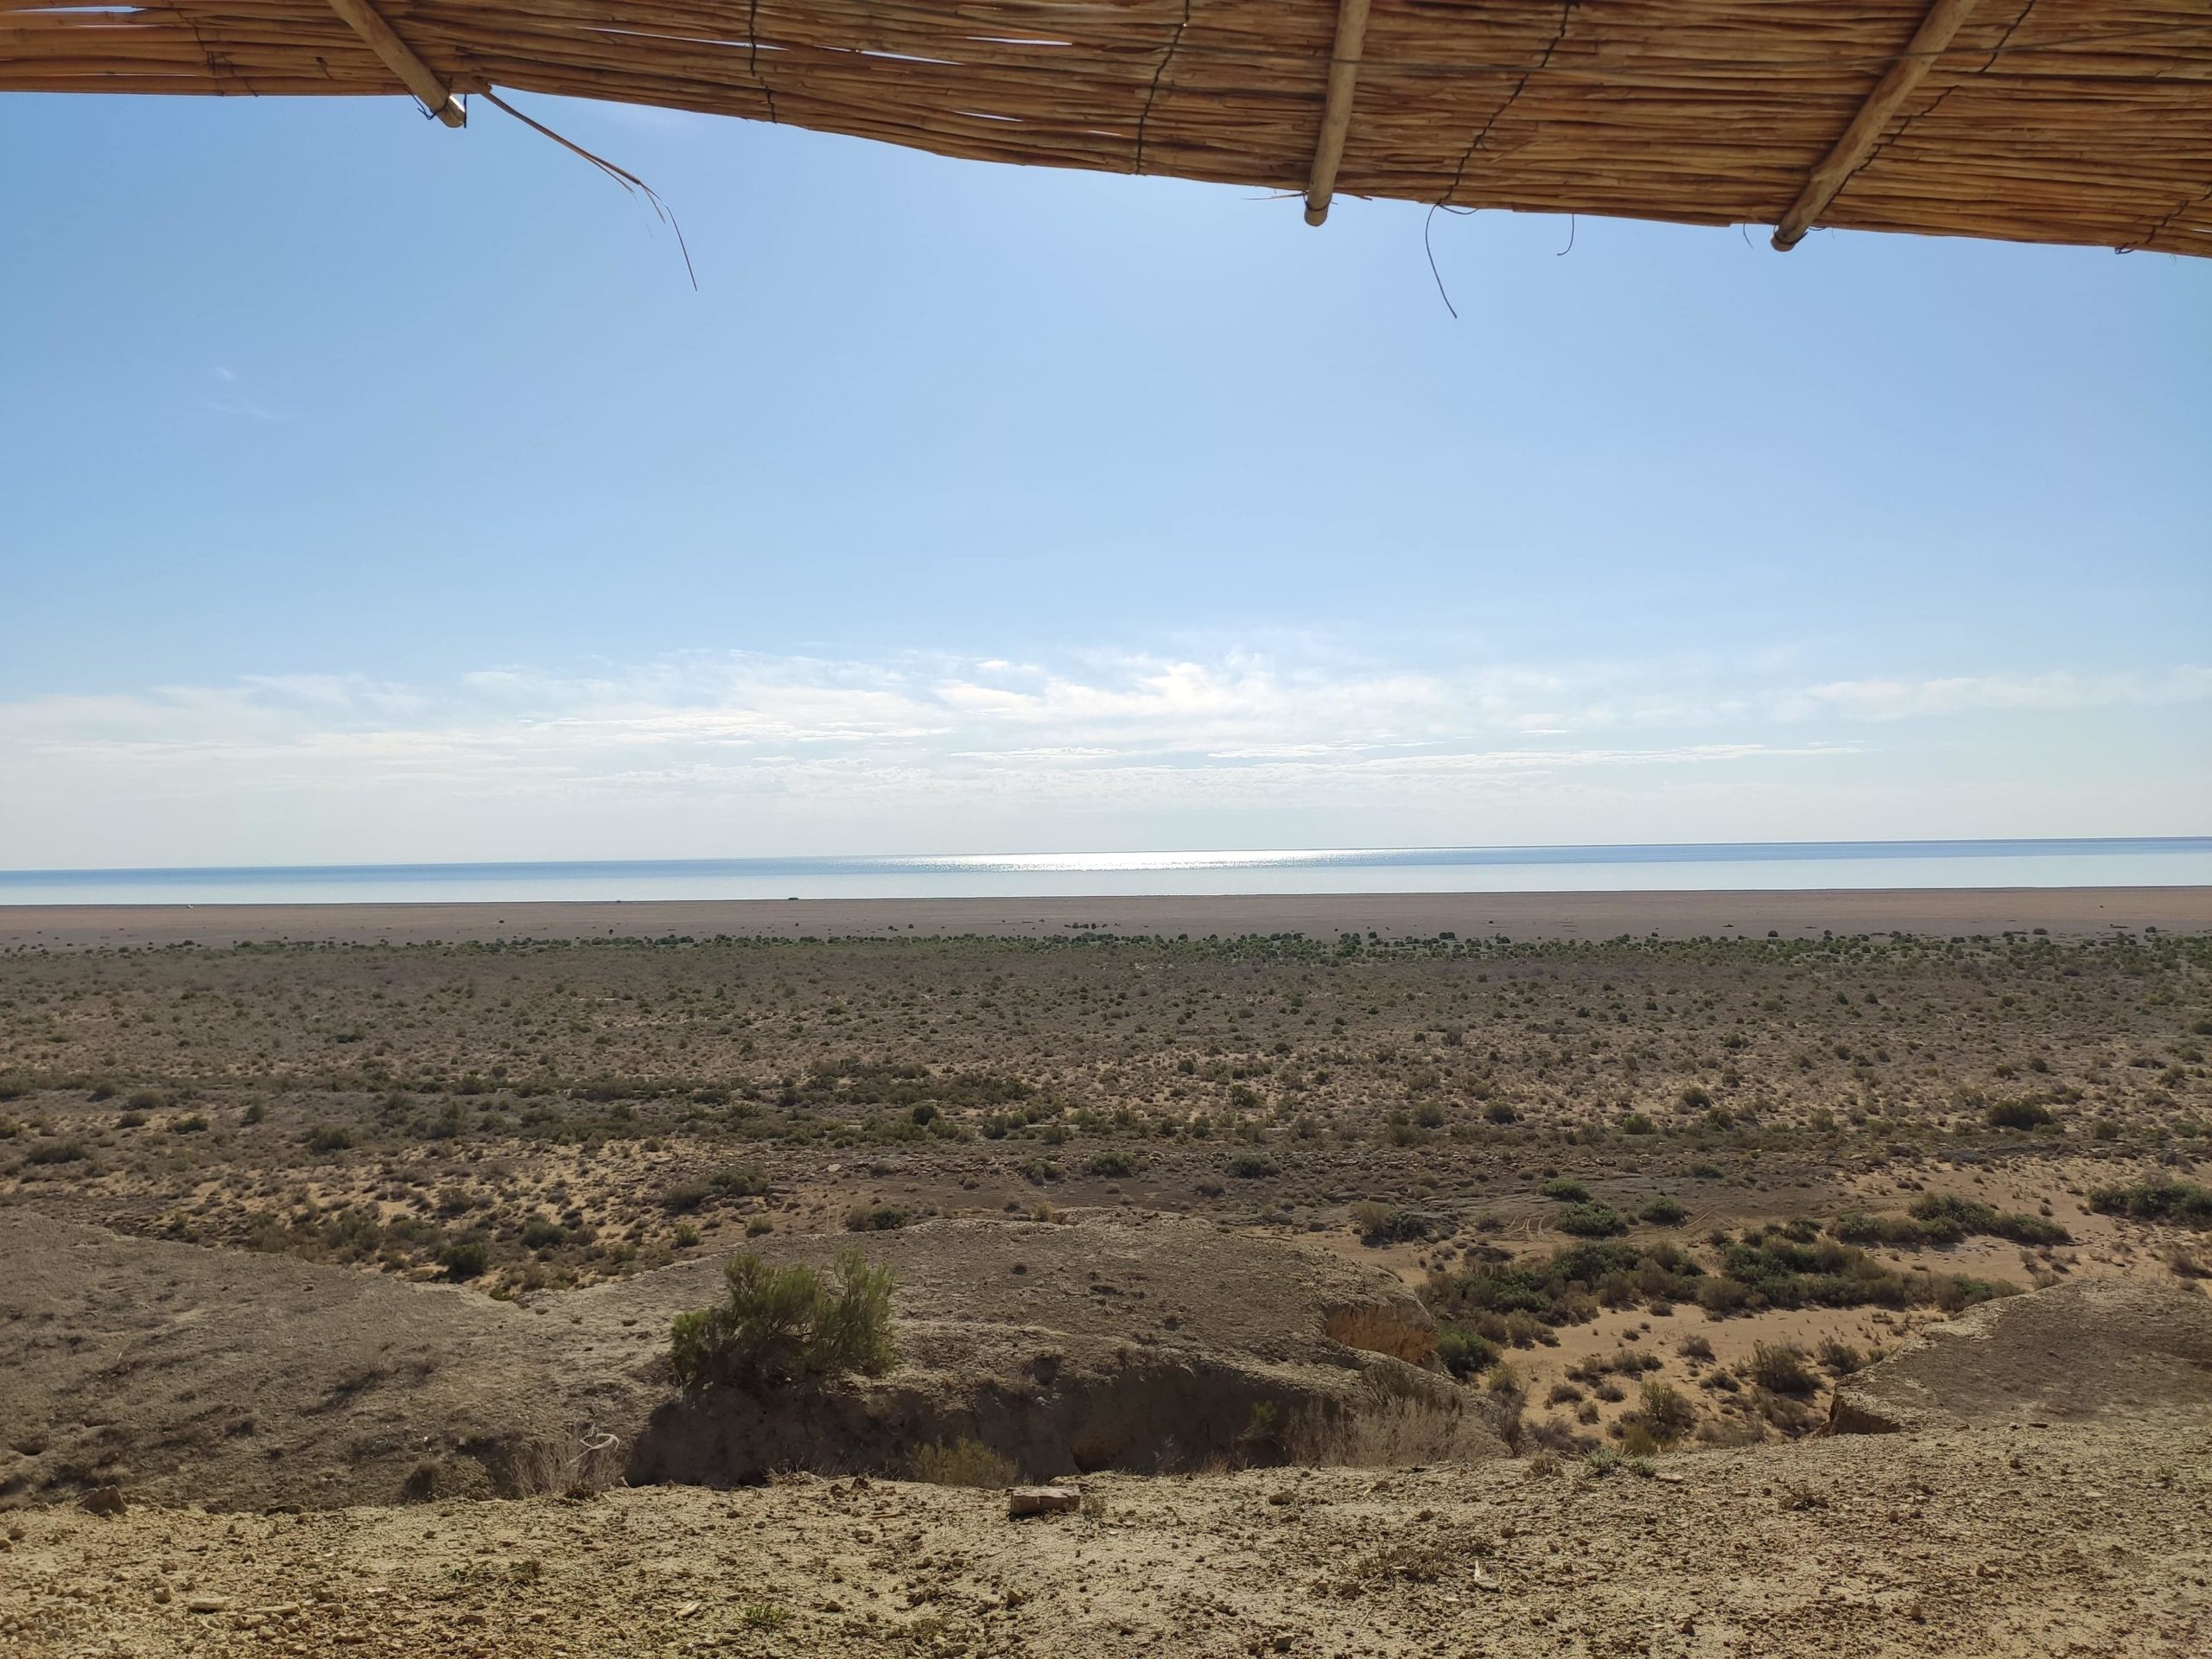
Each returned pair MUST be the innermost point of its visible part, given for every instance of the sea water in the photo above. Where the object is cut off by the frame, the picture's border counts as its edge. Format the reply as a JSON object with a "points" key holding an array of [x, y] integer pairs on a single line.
{"points": [[2184, 861]]}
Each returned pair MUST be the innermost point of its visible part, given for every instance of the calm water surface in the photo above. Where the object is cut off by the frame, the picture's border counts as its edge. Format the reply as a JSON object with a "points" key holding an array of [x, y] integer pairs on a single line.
{"points": [[2184, 861]]}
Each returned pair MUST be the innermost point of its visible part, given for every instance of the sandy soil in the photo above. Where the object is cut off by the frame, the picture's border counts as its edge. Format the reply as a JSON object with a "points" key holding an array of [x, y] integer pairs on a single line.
{"points": [[1337, 1228], [237, 1380], [566, 1113], [2087, 1541], [2065, 912]]}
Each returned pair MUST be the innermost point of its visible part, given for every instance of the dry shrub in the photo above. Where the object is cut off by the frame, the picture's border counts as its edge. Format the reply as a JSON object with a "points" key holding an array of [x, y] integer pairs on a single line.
{"points": [[1395, 1422], [1665, 1413], [1723, 1432], [589, 1459], [965, 1463], [1780, 1368], [1382, 1329], [1838, 1358]]}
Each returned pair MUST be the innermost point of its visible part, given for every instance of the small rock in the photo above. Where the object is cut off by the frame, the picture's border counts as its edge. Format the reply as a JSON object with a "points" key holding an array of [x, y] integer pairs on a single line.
{"points": [[206, 1603], [101, 1500], [688, 1609], [1042, 1500], [1483, 1581]]}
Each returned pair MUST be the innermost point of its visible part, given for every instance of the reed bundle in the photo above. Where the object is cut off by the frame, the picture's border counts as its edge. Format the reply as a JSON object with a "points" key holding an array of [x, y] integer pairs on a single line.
{"points": [[2072, 121]]}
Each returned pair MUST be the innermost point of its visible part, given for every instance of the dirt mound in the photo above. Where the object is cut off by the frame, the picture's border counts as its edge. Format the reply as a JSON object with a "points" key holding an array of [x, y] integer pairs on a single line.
{"points": [[196, 1375], [2097, 1348], [1119, 1341], [192, 1376]]}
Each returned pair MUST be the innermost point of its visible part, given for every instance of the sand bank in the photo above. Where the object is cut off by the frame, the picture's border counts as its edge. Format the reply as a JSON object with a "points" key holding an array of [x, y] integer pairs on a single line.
{"points": [[2064, 913]]}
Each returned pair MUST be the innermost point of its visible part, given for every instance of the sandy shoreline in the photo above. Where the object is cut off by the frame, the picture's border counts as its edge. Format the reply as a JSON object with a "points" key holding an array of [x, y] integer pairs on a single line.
{"points": [[2064, 913]]}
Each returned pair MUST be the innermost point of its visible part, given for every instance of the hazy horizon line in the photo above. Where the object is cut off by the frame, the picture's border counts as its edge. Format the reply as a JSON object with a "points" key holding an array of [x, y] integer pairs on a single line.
{"points": [[1198, 856]]}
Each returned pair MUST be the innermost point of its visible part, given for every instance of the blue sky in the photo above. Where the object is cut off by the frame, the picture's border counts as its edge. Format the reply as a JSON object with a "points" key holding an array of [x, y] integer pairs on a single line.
{"points": [[370, 491]]}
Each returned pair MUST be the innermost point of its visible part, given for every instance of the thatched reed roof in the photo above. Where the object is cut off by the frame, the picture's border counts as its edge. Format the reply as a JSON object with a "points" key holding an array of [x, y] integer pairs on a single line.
{"points": [[2079, 121]]}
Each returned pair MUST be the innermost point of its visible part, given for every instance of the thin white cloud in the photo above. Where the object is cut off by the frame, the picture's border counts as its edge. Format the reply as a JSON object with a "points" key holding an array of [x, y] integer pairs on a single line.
{"points": [[1966, 693], [790, 749], [252, 411]]}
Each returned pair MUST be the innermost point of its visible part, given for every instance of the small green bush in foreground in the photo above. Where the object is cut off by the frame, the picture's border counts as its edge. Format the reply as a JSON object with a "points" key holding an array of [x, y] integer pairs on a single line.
{"points": [[784, 1325]]}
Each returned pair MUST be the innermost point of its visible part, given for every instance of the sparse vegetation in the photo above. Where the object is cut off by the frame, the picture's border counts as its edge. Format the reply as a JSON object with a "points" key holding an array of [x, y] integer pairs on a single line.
{"points": [[1945, 1218], [529, 1116], [874, 1218]]}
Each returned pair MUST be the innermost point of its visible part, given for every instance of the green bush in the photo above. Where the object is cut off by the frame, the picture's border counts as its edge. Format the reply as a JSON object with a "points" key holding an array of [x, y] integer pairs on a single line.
{"points": [[465, 1258], [1592, 1221], [1946, 1218], [1779, 1273], [2158, 1199], [1378, 1225], [784, 1325], [1901, 1231], [684, 1197], [1519, 1302], [57, 1152], [328, 1137], [1112, 1165], [874, 1218], [1664, 1213], [1465, 1353], [1966, 1217], [2017, 1115], [1565, 1192], [739, 1181], [540, 1233], [1249, 1166], [1780, 1368]]}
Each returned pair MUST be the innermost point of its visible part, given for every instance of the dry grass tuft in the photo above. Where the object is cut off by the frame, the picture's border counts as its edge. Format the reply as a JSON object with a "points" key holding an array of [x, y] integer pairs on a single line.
{"points": [[1382, 1329]]}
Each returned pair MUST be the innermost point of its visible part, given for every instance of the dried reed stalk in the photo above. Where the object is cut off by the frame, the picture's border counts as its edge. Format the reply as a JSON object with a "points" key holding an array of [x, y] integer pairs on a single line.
{"points": [[2081, 121]]}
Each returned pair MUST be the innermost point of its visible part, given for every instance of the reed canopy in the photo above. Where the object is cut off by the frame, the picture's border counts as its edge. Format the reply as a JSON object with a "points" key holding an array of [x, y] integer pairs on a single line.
{"points": [[2067, 121]]}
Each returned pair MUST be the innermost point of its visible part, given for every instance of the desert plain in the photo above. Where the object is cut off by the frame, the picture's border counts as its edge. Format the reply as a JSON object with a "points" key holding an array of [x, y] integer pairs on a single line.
{"points": [[1590, 1274]]}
